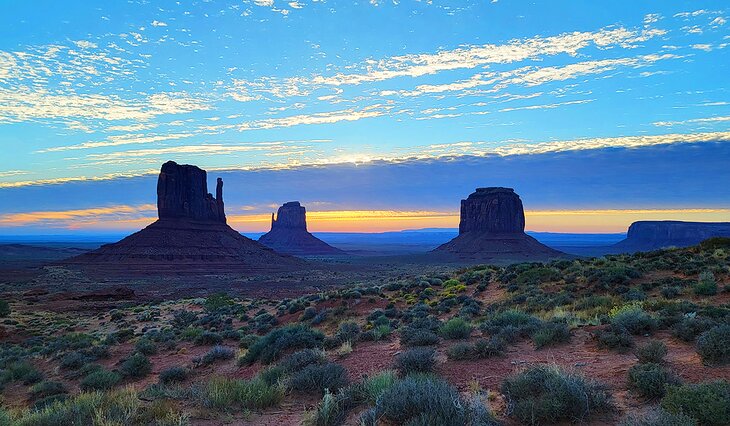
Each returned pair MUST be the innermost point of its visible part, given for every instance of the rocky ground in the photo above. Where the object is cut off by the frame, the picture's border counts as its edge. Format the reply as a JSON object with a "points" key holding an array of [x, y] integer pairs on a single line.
{"points": [[219, 349]]}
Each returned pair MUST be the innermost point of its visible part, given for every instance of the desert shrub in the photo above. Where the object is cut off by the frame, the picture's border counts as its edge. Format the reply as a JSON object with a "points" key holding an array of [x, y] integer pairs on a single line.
{"points": [[706, 284], [208, 338], [551, 333], [536, 276], [708, 403], [613, 338], [653, 351], [146, 346], [183, 318], [308, 314], [516, 322], [20, 371], [670, 292], [417, 360], [547, 394], [482, 348], [217, 353], [410, 336], [374, 386], [111, 408], [318, 377], [692, 326], [224, 394], [74, 360], [45, 389], [650, 380], [270, 347], [218, 301], [714, 345], [300, 359], [100, 379], [407, 400], [659, 417], [4, 308], [456, 328], [633, 319], [348, 330], [136, 366], [173, 375], [330, 410]]}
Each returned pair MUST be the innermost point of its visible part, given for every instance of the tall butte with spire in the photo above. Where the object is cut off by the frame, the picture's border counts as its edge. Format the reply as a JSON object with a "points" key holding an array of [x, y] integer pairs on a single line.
{"points": [[190, 234], [289, 233], [492, 228]]}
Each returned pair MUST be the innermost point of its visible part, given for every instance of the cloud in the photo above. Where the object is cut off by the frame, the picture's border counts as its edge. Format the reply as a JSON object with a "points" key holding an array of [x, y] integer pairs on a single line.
{"points": [[157, 23], [117, 140], [694, 120], [351, 114], [547, 106], [468, 57]]}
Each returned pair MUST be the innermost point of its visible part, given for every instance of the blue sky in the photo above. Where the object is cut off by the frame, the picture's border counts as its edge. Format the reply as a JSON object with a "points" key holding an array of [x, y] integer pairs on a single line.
{"points": [[95, 95]]}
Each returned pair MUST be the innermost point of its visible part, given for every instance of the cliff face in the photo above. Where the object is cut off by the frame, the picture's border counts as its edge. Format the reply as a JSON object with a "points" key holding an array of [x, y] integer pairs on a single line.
{"points": [[654, 235], [289, 233], [492, 210], [190, 236], [491, 228], [182, 192]]}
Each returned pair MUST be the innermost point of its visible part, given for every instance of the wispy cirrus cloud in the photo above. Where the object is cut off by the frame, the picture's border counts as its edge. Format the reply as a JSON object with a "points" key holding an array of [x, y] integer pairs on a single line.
{"points": [[692, 121]]}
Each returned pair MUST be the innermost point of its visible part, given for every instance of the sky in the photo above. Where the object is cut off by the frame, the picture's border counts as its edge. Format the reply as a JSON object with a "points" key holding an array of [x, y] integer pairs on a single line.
{"points": [[376, 115]]}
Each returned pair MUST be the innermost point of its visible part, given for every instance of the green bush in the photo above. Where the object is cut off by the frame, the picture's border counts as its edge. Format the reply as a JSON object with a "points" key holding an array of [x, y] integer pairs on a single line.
{"points": [[208, 338], [223, 393], [692, 326], [706, 284], [418, 337], [318, 377], [74, 360], [551, 333], [217, 353], [482, 348], [708, 403], [517, 322], [348, 331], [547, 394], [45, 389], [614, 338], [301, 359], [456, 328], [20, 371], [4, 308], [270, 347], [714, 345], [146, 347], [417, 360], [100, 380], [650, 380], [424, 400], [136, 366], [374, 386], [653, 351], [173, 375], [633, 319]]}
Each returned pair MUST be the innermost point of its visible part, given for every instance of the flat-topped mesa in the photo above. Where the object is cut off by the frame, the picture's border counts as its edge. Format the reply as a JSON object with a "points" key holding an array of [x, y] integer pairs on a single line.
{"points": [[182, 193], [492, 229], [289, 233], [290, 215], [494, 210], [656, 234]]}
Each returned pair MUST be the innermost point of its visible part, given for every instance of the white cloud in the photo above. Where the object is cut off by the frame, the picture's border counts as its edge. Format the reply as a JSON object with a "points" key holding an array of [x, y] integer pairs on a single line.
{"points": [[265, 3], [694, 120], [317, 118], [547, 106], [117, 140], [157, 23]]}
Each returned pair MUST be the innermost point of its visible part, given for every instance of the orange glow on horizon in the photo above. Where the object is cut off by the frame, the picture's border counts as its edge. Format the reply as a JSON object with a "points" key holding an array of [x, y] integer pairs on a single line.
{"points": [[131, 218]]}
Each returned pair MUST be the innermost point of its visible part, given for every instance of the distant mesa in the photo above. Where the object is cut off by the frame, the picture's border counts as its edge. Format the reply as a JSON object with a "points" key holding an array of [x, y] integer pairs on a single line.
{"points": [[655, 235], [190, 234], [492, 228], [289, 233]]}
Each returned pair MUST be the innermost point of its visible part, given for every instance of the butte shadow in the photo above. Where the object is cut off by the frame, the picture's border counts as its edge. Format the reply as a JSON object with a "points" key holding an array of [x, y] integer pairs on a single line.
{"points": [[289, 234], [492, 230], [190, 235]]}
